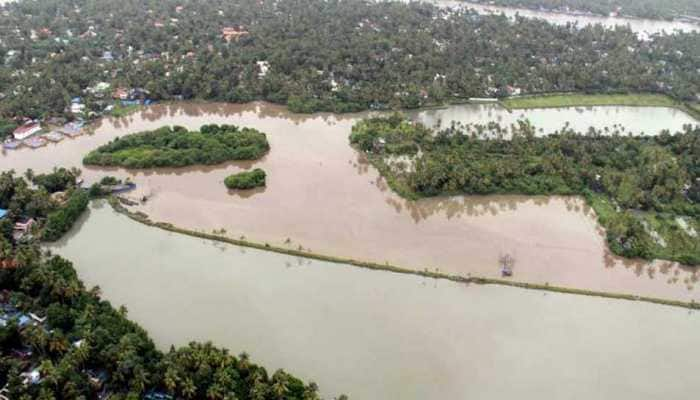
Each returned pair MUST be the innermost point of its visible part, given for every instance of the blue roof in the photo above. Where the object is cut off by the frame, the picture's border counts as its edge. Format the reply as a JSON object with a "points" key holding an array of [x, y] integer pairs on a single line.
{"points": [[24, 320], [3, 213]]}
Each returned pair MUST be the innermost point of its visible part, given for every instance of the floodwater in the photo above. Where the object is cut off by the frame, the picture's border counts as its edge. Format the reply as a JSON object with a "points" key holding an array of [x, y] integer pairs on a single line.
{"points": [[626, 120], [379, 335], [322, 196], [643, 27]]}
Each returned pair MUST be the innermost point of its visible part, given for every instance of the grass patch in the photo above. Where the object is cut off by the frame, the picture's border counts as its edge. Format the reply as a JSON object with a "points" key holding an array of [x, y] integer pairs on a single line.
{"points": [[121, 111], [586, 100]]}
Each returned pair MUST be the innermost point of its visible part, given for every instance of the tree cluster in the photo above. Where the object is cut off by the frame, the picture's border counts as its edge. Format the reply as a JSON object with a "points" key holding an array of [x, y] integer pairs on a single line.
{"points": [[178, 147], [317, 55], [640, 186], [246, 179], [85, 348]]}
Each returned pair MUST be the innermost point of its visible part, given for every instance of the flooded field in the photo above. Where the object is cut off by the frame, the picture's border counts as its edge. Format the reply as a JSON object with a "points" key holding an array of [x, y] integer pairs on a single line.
{"points": [[378, 335], [626, 120], [322, 196], [644, 27]]}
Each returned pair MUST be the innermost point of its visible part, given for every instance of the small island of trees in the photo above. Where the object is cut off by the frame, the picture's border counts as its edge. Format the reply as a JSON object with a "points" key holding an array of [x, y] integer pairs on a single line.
{"points": [[178, 147], [644, 189], [246, 180]]}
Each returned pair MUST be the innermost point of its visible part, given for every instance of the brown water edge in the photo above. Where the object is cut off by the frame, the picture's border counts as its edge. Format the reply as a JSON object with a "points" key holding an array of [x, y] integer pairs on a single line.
{"points": [[426, 273], [323, 196], [303, 315]]}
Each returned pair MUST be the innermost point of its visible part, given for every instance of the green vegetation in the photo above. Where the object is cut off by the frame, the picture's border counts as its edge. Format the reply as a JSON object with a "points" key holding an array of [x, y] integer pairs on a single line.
{"points": [[61, 220], [585, 100], [178, 147], [646, 190], [654, 9], [79, 346], [121, 111], [335, 56], [6, 128], [59, 180], [246, 179], [85, 347], [53, 217]]}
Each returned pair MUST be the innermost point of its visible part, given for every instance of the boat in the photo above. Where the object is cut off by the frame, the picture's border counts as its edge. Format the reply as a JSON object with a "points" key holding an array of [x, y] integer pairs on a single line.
{"points": [[121, 188]]}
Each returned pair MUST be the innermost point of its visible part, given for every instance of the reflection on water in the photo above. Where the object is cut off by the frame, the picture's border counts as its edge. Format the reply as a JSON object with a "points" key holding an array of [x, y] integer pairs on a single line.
{"points": [[323, 197], [378, 335]]}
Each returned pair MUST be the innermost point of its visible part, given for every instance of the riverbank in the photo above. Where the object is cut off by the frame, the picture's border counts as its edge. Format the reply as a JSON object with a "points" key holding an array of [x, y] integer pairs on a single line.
{"points": [[145, 219], [560, 100], [554, 239]]}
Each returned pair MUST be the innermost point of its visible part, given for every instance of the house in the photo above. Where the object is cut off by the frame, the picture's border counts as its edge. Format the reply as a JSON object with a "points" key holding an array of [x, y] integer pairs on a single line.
{"points": [[120, 94], [37, 318], [3, 213], [107, 56], [97, 378], [264, 67], [31, 378], [72, 129], [26, 130], [77, 108], [54, 136], [231, 33], [24, 226], [379, 144], [35, 142], [153, 395], [513, 91]]}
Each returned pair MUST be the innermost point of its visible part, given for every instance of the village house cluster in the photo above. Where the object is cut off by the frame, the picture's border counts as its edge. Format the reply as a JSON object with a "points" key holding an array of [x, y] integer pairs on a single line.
{"points": [[31, 370]]}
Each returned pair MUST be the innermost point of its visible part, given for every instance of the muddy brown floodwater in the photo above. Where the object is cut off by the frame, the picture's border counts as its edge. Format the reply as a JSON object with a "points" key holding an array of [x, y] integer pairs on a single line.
{"points": [[379, 335], [322, 195]]}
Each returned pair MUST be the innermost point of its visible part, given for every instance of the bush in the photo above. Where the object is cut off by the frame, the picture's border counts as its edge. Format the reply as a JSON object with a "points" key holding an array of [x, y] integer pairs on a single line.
{"points": [[57, 181], [246, 180]]}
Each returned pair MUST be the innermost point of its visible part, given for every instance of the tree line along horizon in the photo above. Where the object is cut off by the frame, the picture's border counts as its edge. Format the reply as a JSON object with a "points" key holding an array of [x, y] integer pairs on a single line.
{"points": [[317, 55]]}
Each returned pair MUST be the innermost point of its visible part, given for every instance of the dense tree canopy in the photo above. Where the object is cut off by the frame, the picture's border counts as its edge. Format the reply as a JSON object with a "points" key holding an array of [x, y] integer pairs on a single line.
{"points": [[246, 179], [178, 147], [645, 189], [337, 55]]}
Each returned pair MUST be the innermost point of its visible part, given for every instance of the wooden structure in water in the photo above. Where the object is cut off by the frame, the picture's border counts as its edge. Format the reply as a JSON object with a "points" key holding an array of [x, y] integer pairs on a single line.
{"points": [[506, 262]]}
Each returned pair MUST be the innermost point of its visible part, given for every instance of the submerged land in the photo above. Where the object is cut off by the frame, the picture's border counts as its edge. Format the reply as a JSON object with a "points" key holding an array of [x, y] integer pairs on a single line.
{"points": [[556, 153]]}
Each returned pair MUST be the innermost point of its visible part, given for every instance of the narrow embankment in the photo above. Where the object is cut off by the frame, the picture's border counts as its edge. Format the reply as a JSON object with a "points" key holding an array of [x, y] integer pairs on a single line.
{"points": [[145, 219]]}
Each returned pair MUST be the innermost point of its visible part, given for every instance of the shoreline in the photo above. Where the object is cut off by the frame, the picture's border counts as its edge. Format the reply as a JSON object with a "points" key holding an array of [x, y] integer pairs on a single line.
{"points": [[143, 218], [587, 14], [510, 104]]}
